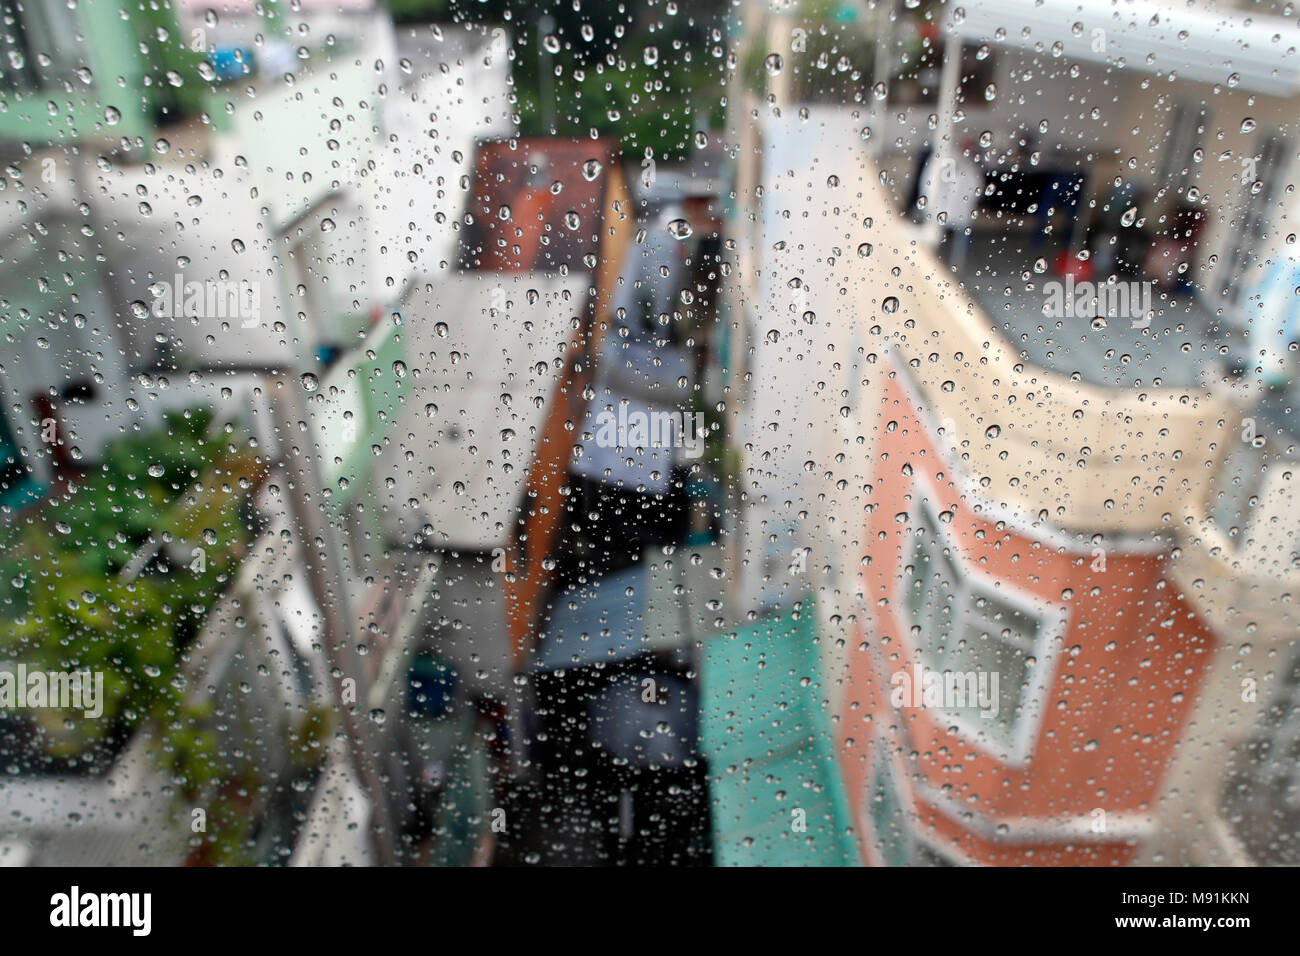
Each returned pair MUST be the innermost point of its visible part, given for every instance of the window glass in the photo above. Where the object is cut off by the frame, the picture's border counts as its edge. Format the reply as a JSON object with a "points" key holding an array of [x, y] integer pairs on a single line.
{"points": [[649, 433]]}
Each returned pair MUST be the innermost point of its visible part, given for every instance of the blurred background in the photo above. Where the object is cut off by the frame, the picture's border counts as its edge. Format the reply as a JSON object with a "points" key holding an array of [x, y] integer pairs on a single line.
{"points": [[456, 433]]}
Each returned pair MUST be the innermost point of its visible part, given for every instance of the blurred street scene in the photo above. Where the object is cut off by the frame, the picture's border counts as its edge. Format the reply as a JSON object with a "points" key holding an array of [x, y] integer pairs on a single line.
{"points": [[816, 432]]}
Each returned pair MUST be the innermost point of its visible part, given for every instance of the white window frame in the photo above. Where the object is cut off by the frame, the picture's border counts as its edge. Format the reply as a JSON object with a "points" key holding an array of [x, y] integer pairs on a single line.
{"points": [[887, 756], [1052, 622], [1241, 250]]}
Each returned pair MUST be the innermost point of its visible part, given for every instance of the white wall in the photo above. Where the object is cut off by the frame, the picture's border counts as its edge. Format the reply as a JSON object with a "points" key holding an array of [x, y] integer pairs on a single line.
{"points": [[417, 194]]}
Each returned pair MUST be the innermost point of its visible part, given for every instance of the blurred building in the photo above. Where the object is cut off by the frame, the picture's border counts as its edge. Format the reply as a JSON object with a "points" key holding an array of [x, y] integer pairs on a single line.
{"points": [[965, 480], [210, 201]]}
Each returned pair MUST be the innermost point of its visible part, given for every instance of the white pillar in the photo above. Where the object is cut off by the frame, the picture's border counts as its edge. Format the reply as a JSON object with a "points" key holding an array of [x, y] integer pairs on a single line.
{"points": [[944, 150], [884, 30]]}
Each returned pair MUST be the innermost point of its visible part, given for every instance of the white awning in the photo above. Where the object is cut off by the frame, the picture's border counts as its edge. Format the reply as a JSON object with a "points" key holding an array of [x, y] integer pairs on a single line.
{"points": [[1255, 53]]}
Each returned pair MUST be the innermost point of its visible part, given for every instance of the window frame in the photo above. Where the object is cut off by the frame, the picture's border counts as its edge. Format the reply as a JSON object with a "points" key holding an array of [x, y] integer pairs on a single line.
{"points": [[1052, 619], [883, 772]]}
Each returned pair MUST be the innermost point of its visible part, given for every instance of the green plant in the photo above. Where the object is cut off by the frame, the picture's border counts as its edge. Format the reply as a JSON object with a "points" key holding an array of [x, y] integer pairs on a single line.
{"points": [[173, 65], [419, 11], [75, 600], [646, 79]]}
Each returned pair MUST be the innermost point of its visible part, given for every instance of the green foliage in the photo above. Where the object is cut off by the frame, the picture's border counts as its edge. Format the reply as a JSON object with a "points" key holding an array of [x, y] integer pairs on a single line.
{"points": [[418, 11], [69, 606], [173, 66], [599, 78], [647, 106], [112, 512], [835, 65]]}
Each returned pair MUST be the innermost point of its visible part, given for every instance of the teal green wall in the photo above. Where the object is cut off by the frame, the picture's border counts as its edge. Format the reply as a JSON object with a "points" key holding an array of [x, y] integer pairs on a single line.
{"points": [[767, 736], [54, 116]]}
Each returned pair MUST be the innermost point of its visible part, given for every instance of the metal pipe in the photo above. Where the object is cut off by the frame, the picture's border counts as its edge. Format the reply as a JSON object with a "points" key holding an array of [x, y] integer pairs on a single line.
{"points": [[325, 577]]}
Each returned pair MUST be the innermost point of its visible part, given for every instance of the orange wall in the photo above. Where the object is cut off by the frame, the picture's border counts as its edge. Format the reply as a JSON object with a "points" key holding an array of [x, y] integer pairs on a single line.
{"points": [[527, 581], [1120, 686]]}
